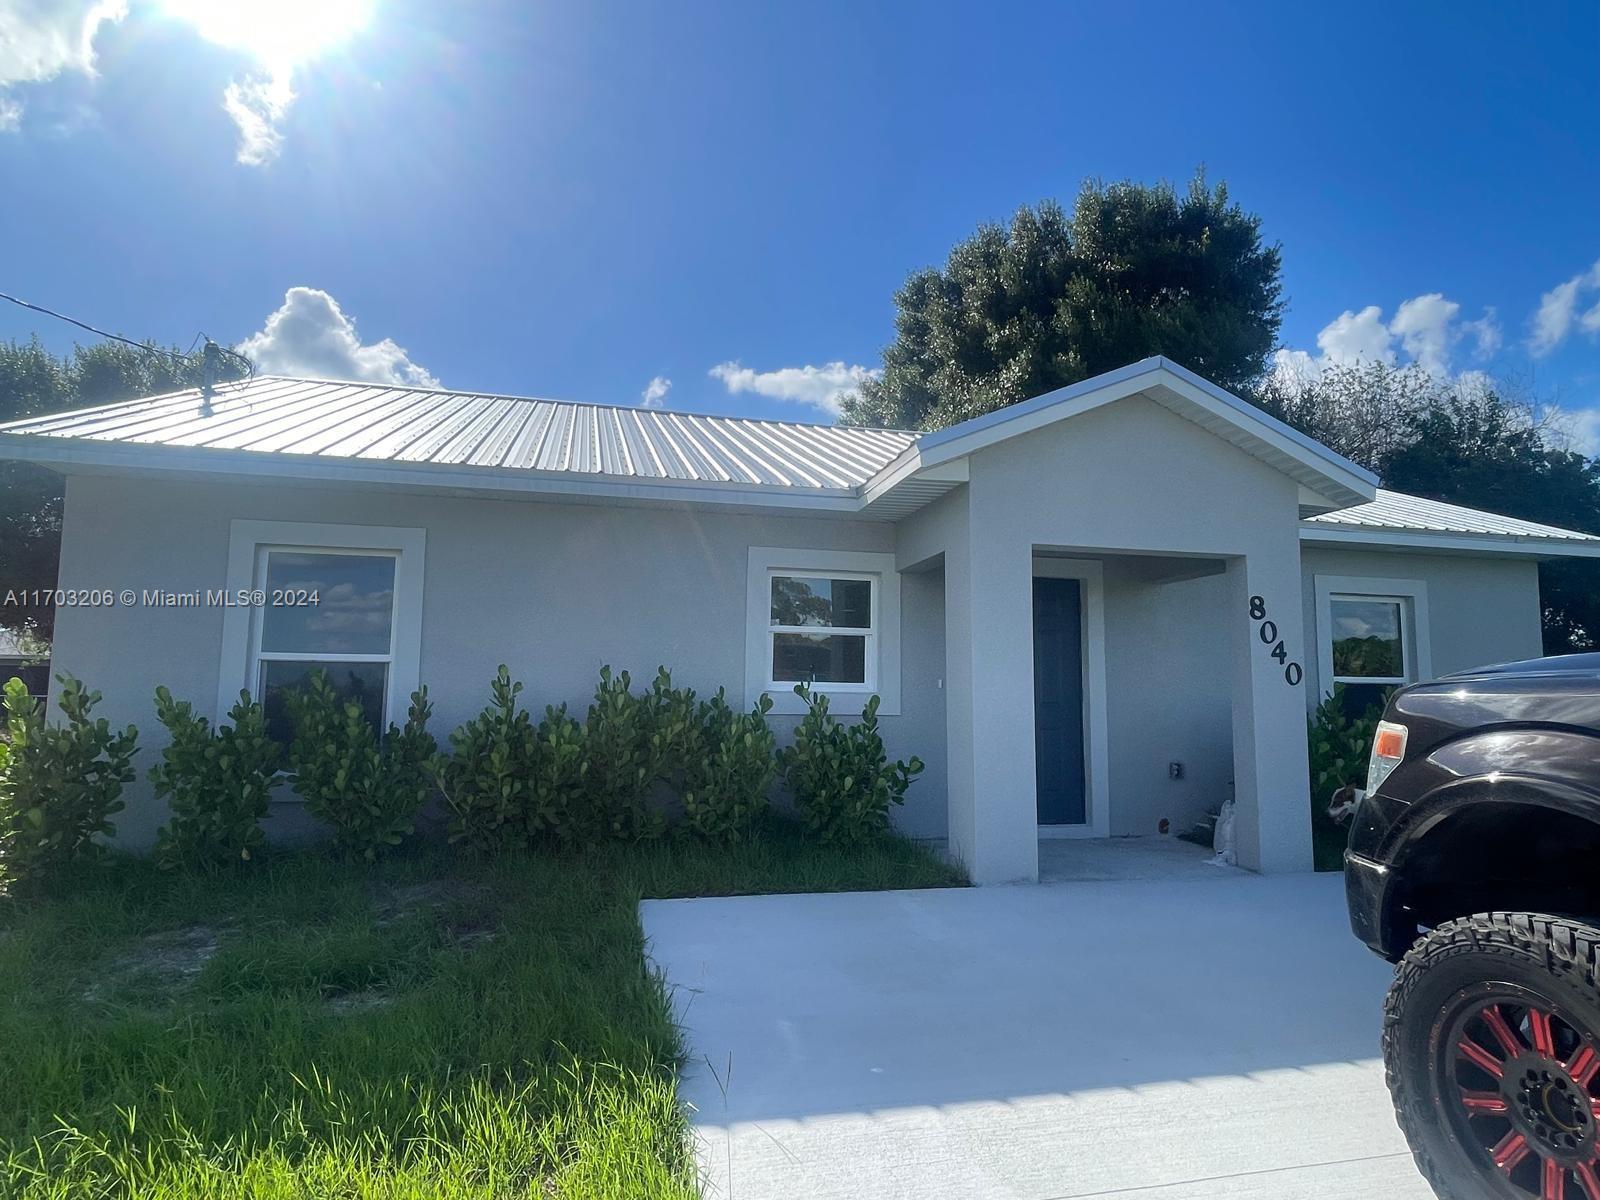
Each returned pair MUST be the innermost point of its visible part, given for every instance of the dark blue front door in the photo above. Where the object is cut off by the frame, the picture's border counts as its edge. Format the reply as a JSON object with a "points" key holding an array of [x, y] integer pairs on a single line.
{"points": [[1058, 701]]}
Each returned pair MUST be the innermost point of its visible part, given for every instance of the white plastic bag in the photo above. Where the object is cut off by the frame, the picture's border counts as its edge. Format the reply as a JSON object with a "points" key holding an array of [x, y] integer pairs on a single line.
{"points": [[1222, 838]]}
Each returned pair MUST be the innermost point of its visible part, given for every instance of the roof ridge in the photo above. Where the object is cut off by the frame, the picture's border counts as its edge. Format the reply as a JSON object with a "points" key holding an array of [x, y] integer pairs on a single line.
{"points": [[410, 387]]}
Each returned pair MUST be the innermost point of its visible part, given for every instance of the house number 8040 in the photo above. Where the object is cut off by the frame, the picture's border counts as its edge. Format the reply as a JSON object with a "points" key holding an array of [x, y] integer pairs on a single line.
{"points": [[1267, 630]]}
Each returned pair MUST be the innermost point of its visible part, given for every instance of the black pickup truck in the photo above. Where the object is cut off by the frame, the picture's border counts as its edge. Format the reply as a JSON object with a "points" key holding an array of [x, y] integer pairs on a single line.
{"points": [[1474, 863]]}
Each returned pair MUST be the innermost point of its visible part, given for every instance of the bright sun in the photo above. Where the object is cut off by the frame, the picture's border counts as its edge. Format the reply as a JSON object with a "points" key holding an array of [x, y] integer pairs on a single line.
{"points": [[278, 33]]}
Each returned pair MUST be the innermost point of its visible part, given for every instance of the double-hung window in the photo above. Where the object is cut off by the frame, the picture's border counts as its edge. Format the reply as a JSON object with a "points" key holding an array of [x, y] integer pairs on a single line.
{"points": [[326, 610], [1373, 636], [822, 629], [827, 618], [343, 599], [1370, 642]]}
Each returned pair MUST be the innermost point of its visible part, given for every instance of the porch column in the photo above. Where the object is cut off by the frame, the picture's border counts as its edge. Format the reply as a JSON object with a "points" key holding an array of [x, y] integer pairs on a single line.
{"points": [[1272, 819], [994, 824]]}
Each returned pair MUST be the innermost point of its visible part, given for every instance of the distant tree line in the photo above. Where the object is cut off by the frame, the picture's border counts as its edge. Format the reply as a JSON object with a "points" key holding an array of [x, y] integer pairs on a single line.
{"points": [[34, 383], [1465, 440]]}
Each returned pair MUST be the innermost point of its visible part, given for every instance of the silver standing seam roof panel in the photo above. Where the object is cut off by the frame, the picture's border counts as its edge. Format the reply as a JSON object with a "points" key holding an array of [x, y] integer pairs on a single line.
{"points": [[834, 464], [395, 424], [1399, 512]]}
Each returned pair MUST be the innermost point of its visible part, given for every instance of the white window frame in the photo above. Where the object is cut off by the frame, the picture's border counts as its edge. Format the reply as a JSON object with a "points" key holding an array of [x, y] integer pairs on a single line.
{"points": [[1410, 594], [250, 542], [882, 639]]}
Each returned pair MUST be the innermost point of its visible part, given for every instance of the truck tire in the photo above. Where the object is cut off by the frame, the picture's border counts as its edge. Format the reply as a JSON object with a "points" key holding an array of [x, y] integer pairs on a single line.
{"points": [[1491, 1044]]}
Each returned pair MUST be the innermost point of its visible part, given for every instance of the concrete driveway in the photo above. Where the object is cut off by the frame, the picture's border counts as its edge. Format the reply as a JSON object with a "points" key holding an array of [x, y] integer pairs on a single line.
{"points": [[1148, 1039]]}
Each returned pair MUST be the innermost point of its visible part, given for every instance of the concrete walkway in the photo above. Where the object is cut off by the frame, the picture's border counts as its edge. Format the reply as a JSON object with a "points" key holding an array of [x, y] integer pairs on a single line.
{"points": [[1214, 1036]]}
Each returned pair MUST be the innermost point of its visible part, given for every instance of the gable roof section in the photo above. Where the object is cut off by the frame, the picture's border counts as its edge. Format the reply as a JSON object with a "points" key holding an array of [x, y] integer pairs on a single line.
{"points": [[1395, 519], [1327, 480]]}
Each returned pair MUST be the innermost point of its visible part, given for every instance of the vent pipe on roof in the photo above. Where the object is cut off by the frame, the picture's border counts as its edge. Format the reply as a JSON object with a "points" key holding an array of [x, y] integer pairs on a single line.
{"points": [[210, 372]]}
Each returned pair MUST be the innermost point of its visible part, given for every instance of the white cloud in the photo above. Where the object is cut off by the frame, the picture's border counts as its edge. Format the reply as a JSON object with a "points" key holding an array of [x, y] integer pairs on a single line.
{"points": [[821, 387], [311, 335], [1354, 337], [1423, 325], [1558, 309], [257, 105], [1590, 321], [655, 392], [1581, 426], [1294, 367], [1427, 328], [1484, 332], [42, 39], [280, 37]]}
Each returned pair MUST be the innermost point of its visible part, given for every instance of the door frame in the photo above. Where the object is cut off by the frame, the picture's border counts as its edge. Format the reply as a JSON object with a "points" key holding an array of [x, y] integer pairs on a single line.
{"points": [[1091, 576]]}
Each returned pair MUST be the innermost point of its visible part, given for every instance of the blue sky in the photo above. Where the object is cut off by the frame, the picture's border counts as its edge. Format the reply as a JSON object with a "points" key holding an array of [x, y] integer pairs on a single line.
{"points": [[573, 200]]}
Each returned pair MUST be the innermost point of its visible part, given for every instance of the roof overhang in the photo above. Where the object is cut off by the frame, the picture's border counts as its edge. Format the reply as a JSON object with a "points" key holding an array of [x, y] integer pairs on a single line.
{"points": [[88, 457], [1367, 537]]}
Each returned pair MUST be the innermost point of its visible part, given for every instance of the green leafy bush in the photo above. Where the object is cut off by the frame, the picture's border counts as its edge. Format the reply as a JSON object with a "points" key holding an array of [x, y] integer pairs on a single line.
{"points": [[217, 782], [1338, 747], [62, 782], [840, 776], [632, 742], [728, 764], [8, 833], [368, 789], [508, 782]]}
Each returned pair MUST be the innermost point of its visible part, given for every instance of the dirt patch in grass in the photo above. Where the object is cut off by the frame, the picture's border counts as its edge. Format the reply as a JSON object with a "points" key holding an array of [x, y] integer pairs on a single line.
{"points": [[364, 1001], [464, 909], [162, 965], [396, 902]]}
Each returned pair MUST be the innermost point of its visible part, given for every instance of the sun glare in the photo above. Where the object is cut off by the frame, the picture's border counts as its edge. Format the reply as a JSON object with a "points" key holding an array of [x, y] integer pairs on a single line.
{"points": [[278, 33]]}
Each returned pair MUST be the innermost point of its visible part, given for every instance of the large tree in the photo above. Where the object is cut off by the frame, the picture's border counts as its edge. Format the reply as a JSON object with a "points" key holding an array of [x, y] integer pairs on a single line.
{"points": [[34, 382], [1052, 299], [1465, 441]]}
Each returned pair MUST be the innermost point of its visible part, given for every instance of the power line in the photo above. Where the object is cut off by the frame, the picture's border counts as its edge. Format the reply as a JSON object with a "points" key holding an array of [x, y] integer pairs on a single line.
{"points": [[147, 347]]}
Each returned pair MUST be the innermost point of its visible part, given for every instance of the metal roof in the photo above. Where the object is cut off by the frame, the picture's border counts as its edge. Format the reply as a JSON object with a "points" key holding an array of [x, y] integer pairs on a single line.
{"points": [[1398, 512], [364, 421], [380, 432]]}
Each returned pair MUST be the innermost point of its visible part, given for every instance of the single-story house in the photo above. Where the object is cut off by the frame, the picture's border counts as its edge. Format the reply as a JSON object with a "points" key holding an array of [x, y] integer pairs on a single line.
{"points": [[1103, 608]]}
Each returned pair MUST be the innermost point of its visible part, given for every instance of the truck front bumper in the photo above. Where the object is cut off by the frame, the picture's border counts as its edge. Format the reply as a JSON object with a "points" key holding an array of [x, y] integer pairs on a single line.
{"points": [[1368, 887]]}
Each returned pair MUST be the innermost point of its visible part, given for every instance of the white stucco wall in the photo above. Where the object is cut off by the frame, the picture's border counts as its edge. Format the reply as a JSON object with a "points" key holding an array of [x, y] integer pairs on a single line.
{"points": [[1482, 609], [1170, 700], [553, 590]]}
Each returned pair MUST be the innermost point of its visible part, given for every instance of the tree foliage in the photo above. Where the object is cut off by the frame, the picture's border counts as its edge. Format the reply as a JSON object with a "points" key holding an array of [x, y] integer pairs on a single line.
{"points": [[34, 382], [1053, 298], [1466, 441]]}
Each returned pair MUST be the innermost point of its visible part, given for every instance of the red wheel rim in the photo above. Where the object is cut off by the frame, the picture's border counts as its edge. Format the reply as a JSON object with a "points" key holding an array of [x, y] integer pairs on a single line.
{"points": [[1519, 1078]]}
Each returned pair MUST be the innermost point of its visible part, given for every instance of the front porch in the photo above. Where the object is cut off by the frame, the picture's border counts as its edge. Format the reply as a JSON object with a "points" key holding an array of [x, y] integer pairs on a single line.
{"points": [[1127, 693]]}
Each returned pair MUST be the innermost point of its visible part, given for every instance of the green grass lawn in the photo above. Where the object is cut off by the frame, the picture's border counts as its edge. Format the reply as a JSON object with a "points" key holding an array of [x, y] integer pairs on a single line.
{"points": [[435, 1026]]}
